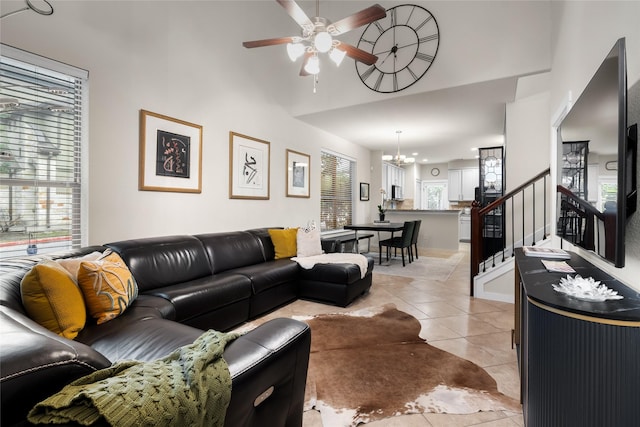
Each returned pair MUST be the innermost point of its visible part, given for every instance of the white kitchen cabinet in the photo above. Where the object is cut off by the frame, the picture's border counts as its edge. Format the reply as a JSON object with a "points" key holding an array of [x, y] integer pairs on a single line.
{"points": [[465, 228], [462, 184], [392, 175]]}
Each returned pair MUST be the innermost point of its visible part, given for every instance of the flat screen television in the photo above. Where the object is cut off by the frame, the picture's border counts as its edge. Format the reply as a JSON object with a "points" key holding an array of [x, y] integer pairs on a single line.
{"points": [[596, 160]]}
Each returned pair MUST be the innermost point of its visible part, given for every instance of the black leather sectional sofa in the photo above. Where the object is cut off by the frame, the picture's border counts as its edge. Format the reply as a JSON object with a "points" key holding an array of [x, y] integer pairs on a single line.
{"points": [[186, 284]]}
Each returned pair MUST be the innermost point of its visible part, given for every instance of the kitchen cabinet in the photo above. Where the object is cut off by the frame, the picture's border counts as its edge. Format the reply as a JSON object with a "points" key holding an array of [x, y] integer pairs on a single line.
{"points": [[392, 175], [465, 228], [462, 184]]}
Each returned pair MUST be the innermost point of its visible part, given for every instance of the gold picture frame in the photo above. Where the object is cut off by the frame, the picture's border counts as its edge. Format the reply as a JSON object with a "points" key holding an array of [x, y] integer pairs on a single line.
{"points": [[298, 174], [170, 157], [249, 167]]}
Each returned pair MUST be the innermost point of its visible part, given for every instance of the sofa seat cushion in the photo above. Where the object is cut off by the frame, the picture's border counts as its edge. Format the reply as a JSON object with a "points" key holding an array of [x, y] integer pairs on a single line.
{"points": [[335, 273], [145, 338], [270, 274], [194, 298]]}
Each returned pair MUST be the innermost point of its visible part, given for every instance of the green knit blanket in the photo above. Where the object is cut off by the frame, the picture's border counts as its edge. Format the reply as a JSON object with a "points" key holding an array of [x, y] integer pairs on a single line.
{"points": [[191, 386]]}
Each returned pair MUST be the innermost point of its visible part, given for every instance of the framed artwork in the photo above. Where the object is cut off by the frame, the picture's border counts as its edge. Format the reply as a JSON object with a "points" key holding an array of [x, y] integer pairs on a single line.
{"points": [[364, 191], [248, 167], [170, 156], [298, 165]]}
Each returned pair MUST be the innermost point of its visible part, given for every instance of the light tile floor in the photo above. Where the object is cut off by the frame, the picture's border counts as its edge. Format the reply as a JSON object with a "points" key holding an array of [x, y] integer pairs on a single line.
{"points": [[478, 330]]}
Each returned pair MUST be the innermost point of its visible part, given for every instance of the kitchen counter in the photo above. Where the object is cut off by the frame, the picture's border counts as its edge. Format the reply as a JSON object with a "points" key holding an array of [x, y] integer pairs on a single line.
{"points": [[439, 228]]}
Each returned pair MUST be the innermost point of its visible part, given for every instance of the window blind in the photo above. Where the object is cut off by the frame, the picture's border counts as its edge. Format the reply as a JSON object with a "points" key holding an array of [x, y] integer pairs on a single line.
{"points": [[336, 191], [41, 139]]}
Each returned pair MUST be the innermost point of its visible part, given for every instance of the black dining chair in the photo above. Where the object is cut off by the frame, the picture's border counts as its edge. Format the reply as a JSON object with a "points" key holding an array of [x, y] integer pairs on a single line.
{"points": [[401, 242], [414, 240]]}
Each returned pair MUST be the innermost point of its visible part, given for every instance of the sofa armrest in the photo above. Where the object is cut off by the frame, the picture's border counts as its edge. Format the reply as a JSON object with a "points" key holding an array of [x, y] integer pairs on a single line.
{"points": [[37, 363], [268, 367]]}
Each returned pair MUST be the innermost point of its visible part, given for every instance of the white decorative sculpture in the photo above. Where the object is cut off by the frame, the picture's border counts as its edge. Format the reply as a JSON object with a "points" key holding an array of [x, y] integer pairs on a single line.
{"points": [[585, 289]]}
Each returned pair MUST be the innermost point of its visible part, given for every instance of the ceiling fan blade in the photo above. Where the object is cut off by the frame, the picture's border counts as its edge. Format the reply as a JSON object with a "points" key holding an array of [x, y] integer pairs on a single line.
{"points": [[296, 13], [357, 54], [365, 16], [269, 42]]}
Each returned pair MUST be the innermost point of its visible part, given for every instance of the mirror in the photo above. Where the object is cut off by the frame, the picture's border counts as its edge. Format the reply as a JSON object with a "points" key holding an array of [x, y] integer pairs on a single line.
{"points": [[592, 140]]}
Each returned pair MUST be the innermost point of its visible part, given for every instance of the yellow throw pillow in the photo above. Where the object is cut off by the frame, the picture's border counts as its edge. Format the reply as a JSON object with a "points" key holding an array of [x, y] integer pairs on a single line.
{"points": [[108, 286], [284, 242], [52, 299]]}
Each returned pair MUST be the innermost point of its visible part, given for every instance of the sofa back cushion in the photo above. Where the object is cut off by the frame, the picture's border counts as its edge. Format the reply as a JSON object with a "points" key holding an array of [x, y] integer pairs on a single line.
{"points": [[232, 249], [162, 261], [262, 234]]}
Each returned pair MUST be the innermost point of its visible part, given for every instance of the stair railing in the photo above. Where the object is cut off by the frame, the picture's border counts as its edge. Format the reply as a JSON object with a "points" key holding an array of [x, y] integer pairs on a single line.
{"points": [[495, 216]]}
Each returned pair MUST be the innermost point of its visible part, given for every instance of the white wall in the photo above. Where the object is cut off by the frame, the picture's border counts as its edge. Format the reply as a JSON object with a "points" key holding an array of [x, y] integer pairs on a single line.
{"points": [[184, 60], [584, 33]]}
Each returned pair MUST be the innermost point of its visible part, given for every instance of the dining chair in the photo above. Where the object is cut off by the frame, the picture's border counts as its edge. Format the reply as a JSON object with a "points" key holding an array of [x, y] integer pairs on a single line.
{"points": [[414, 240], [401, 242]]}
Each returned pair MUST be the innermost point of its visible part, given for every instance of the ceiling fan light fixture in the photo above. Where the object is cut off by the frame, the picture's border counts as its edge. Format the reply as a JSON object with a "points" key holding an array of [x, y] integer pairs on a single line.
{"points": [[337, 55], [322, 41], [295, 51], [313, 65]]}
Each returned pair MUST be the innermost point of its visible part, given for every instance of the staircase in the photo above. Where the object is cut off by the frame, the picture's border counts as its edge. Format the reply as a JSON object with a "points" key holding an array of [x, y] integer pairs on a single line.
{"points": [[525, 221]]}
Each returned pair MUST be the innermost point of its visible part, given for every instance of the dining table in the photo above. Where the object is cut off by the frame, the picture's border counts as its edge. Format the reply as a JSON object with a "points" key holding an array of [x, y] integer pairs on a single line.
{"points": [[391, 227]]}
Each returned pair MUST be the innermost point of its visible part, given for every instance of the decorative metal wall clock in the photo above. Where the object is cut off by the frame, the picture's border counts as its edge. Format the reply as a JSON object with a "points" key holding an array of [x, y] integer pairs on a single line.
{"points": [[405, 42]]}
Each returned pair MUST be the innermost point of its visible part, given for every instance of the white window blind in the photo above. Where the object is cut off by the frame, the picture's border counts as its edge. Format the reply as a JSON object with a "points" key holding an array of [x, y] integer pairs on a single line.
{"points": [[42, 133], [336, 191]]}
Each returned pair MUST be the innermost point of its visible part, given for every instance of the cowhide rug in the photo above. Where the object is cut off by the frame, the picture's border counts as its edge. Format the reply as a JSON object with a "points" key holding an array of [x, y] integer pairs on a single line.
{"points": [[367, 366]]}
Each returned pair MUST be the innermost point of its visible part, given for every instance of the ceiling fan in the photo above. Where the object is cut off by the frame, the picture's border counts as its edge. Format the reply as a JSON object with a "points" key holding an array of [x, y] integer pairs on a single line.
{"points": [[318, 37]]}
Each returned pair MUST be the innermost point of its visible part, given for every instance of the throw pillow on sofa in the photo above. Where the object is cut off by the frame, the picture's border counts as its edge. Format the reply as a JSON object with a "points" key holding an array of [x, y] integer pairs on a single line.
{"points": [[52, 298], [308, 242], [284, 242], [72, 265], [108, 286]]}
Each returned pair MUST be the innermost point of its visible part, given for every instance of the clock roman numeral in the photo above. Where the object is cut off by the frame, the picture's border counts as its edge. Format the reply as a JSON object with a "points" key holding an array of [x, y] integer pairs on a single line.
{"points": [[428, 38], [424, 57], [395, 82], [365, 75], [393, 17], [372, 43], [379, 27], [410, 15], [413, 75], [378, 82], [423, 23]]}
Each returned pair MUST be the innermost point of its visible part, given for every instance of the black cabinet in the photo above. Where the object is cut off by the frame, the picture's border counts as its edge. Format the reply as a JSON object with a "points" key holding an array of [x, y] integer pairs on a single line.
{"points": [[579, 360]]}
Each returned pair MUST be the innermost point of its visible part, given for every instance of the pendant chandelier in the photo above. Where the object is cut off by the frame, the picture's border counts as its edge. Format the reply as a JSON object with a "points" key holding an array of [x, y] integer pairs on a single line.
{"points": [[398, 159]]}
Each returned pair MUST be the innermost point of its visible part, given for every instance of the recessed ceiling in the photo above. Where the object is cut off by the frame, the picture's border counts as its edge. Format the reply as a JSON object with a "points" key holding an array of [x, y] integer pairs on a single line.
{"points": [[441, 125]]}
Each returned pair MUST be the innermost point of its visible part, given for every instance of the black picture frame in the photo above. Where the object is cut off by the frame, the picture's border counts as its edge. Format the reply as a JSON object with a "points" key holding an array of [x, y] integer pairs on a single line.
{"points": [[364, 191]]}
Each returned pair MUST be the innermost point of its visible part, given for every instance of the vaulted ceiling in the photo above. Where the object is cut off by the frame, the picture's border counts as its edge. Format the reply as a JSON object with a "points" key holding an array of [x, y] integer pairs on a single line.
{"points": [[459, 104]]}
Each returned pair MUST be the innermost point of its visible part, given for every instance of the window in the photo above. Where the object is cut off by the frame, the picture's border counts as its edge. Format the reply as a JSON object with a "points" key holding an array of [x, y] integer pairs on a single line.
{"points": [[608, 191], [336, 191], [434, 195], [42, 134]]}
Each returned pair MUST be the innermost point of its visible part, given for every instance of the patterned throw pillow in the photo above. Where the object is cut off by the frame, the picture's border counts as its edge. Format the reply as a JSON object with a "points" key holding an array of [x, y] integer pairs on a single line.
{"points": [[308, 241], [108, 286], [52, 299], [284, 242]]}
